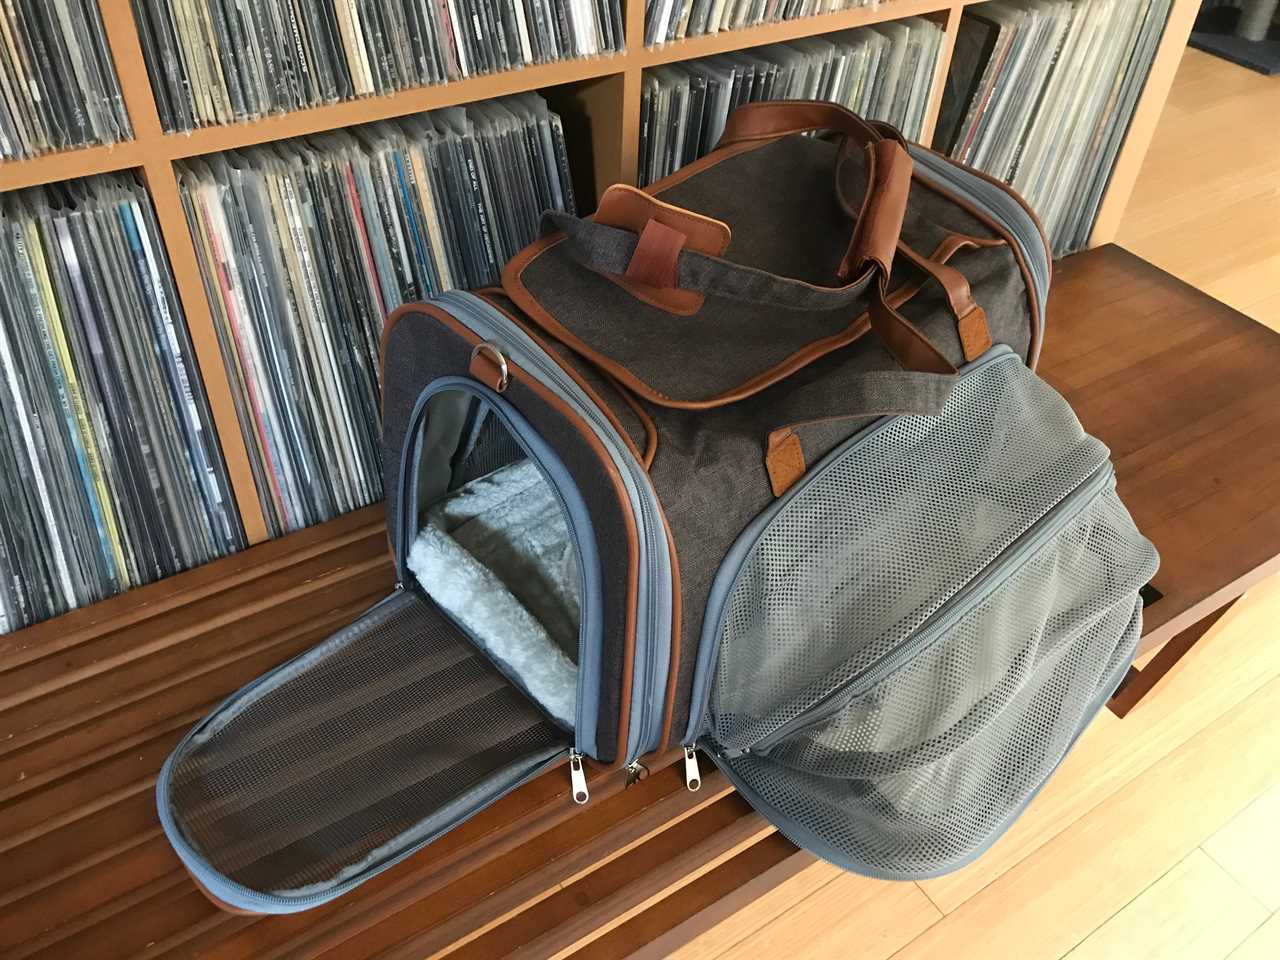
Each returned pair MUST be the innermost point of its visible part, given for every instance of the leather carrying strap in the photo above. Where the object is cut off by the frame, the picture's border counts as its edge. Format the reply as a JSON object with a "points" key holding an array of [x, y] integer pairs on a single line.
{"points": [[878, 218], [609, 250], [878, 221], [878, 393]]}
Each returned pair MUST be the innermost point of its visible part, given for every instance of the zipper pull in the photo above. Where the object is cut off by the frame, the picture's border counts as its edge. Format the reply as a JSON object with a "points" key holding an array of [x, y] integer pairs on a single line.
{"points": [[692, 776], [636, 771], [577, 778]]}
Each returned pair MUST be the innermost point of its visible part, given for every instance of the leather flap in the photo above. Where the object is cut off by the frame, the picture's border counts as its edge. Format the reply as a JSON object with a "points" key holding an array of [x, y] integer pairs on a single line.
{"points": [[629, 208]]}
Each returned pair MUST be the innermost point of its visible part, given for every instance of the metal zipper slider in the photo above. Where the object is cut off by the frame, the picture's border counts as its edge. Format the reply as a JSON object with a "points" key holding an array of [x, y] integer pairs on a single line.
{"points": [[577, 778], [692, 775], [636, 771]]}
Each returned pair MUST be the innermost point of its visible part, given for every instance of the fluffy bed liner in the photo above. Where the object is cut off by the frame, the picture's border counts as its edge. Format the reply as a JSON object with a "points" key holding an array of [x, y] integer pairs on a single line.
{"points": [[497, 556]]}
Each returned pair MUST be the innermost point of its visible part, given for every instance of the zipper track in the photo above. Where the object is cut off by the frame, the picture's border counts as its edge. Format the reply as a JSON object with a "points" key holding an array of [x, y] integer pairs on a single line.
{"points": [[488, 323], [959, 605]]}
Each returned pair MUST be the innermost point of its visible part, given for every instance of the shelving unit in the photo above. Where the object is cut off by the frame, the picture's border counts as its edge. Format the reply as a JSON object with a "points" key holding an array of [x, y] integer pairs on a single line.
{"points": [[605, 90]]}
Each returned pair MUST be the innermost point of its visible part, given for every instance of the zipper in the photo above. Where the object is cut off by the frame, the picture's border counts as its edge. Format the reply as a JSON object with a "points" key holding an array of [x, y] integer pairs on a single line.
{"points": [[961, 603], [656, 577], [577, 778], [1006, 212], [692, 775]]}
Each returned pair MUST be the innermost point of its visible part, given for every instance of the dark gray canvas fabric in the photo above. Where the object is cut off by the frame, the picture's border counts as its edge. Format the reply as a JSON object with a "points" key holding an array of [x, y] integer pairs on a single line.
{"points": [[780, 202], [419, 350]]}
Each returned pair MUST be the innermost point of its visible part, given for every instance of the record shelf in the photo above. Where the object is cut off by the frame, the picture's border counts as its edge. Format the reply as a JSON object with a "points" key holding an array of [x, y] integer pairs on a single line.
{"points": [[604, 90]]}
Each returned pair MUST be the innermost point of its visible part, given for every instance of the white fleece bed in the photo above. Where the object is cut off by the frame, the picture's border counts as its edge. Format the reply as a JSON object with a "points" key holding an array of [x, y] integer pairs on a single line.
{"points": [[496, 554]]}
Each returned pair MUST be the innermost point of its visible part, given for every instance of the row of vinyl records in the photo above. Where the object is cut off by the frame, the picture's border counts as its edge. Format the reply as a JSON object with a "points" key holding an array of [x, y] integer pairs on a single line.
{"points": [[58, 86], [1039, 94], [110, 469], [668, 20], [883, 72], [306, 245], [110, 473], [213, 61]]}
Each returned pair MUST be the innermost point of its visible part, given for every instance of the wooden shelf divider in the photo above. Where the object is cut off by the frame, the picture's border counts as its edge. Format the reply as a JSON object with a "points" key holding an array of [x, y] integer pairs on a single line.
{"points": [[607, 88]]}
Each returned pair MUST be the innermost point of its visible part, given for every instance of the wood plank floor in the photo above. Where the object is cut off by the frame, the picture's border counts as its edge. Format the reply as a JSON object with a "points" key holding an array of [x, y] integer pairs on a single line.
{"points": [[1160, 835], [1206, 206]]}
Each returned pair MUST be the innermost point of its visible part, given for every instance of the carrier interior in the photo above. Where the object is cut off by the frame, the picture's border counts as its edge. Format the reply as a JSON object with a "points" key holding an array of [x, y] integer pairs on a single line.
{"points": [[492, 544]]}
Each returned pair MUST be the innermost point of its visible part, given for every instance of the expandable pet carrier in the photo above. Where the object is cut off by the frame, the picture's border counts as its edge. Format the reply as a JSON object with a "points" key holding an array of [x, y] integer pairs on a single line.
{"points": [[754, 462]]}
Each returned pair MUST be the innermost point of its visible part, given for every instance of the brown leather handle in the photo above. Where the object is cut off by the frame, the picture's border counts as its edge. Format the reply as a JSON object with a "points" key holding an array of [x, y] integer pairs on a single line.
{"points": [[773, 119], [611, 251], [878, 220]]}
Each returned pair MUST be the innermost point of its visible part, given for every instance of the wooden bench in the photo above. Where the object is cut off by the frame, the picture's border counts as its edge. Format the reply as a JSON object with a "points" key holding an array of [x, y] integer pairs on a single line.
{"points": [[1185, 391]]}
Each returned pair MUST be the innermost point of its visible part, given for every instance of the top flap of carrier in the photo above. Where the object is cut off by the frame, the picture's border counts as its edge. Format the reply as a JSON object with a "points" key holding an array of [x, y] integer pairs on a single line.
{"points": [[614, 293]]}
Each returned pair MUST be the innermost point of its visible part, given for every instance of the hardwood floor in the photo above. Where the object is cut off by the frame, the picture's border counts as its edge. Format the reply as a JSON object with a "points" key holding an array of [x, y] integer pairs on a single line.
{"points": [[1206, 206], [1160, 835]]}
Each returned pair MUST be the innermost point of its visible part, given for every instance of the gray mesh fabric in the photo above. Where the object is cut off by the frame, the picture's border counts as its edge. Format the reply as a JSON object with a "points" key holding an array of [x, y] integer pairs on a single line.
{"points": [[921, 631], [490, 448], [338, 763]]}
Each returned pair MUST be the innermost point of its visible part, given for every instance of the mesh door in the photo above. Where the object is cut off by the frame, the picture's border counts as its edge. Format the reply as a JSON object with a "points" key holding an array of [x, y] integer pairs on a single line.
{"points": [[350, 756]]}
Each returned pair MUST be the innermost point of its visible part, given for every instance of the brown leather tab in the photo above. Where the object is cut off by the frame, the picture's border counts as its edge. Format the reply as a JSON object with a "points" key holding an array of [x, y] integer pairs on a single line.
{"points": [[657, 256], [784, 460], [627, 208], [875, 239], [975, 333]]}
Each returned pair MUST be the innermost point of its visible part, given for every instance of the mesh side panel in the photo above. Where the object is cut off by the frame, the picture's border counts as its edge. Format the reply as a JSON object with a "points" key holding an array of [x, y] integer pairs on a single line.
{"points": [[908, 730], [935, 817], [870, 548], [1062, 609], [492, 448], [375, 730], [921, 772]]}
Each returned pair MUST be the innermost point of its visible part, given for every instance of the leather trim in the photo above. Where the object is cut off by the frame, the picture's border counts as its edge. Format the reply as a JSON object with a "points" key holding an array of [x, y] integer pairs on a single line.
{"points": [[904, 340], [783, 460], [536, 335], [629, 208], [633, 550], [774, 119], [646, 421], [485, 369], [975, 333], [651, 449], [971, 319], [677, 633]]}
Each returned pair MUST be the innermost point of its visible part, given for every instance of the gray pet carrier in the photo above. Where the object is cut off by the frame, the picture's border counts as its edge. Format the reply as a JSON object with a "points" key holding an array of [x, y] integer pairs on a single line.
{"points": [[755, 463]]}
